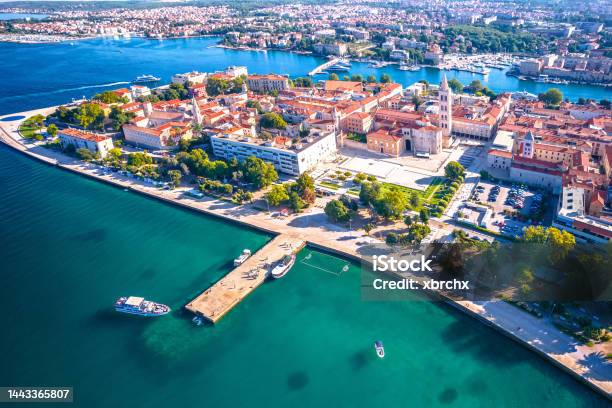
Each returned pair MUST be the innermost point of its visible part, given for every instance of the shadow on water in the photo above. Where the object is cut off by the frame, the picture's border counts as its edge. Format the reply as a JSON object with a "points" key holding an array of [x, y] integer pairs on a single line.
{"points": [[297, 380], [448, 396], [110, 317], [486, 349], [359, 360], [94, 235], [476, 386], [148, 273]]}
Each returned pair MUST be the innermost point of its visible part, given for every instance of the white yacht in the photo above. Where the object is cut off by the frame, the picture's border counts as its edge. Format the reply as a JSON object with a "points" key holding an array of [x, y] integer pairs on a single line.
{"points": [[246, 253]]}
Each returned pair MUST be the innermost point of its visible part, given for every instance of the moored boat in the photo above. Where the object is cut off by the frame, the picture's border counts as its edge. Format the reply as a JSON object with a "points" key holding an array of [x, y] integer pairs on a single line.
{"points": [[380, 349], [283, 266], [246, 253], [139, 306]]}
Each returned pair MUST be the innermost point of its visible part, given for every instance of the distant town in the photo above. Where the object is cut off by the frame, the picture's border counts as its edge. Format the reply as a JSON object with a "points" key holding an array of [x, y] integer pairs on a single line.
{"points": [[546, 42]]}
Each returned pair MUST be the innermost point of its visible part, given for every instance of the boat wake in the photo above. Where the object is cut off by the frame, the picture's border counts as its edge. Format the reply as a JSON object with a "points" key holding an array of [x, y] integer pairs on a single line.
{"points": [[59, 91]]}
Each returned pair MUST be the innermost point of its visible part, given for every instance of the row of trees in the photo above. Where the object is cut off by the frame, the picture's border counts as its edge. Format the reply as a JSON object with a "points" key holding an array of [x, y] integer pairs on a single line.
{"points": [[174, 91], [298, 195], [475, 87], [91, 116], [384, 78], [109, 97], [87, 115], [218, 86]]}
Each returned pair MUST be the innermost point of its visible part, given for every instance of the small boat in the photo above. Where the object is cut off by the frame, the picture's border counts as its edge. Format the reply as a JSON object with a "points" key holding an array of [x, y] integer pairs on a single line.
{"points": [[243, 257], [145, 78], [283, 266], [380, 349], [140, 306]]}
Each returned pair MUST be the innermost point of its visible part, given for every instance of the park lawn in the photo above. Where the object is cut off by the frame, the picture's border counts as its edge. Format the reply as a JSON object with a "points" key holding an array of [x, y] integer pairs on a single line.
{"points": [[427, 196], [329, 185], [29, 131]]}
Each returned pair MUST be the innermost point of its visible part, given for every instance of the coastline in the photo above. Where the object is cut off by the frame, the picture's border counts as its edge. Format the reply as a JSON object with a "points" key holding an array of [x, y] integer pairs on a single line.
{"points": [[498, 315]]}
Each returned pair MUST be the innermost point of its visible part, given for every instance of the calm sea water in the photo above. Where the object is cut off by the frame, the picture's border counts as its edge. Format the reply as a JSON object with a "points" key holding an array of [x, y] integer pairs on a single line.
{"points": [[39, 75], [22, 16], [69, 246]]}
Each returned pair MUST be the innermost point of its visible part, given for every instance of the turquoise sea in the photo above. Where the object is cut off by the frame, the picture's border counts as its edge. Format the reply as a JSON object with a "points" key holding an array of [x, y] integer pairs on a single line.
{"points": [[69, 246], [39, 75]]}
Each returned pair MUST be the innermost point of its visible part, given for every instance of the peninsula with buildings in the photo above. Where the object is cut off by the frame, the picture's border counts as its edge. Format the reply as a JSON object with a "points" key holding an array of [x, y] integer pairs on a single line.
{"points": [[396, 166], [352, 164]]}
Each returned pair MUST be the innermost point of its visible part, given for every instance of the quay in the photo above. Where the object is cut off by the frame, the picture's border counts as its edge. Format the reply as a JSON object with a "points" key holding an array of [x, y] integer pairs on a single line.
{"points": [[324, 66], [220, 298]]}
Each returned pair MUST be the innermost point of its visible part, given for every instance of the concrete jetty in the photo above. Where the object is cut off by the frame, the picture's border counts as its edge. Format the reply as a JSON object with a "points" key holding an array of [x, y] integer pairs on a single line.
{"points": [[220, 298]]}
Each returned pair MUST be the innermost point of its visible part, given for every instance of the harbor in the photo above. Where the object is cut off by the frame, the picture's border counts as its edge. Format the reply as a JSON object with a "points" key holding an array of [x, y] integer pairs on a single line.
{"points": [[224, 295]]}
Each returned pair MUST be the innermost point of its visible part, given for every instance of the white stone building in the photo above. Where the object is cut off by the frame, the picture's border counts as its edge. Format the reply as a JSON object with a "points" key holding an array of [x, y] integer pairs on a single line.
{"points": [[286, 156]]}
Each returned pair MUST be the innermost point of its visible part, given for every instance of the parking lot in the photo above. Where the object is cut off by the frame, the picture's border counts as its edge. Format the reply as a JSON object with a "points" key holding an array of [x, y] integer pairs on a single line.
{"points": [[505, 201]]}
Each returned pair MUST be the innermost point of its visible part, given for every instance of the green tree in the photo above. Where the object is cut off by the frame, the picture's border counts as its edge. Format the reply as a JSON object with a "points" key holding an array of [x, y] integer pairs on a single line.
{"points": [[417, 232], [139, 159], [258, 172], [385, 78], [304, 82], [392, 238], [52, 130], [455, 85], [272, 120], [371, 79], [535, 234], [369, 192], [304, 182], [216, 86], [175, 176], [90, 115], [424, 215], [110, 97], [255, 104], [85, 154], [277, 195], [391, 204], [561, 243], [453, 170], [475, 86], [114, 155], [334, 77], [337, 211], [357, 78], [119, 117], [552, 97], [415, 200], [295, 202]]}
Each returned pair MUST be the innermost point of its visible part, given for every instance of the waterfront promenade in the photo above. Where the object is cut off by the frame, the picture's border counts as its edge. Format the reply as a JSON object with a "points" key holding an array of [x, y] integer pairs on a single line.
{"points": [[588, 364], [226, 293]]}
